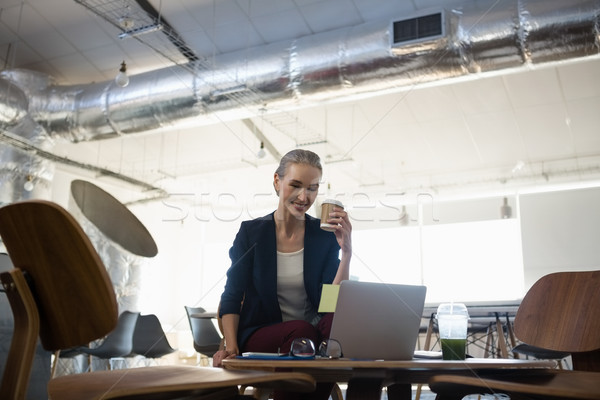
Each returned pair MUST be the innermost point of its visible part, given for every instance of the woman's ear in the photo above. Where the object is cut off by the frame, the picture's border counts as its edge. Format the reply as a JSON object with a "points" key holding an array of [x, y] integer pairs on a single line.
{"points": [[276, 183]]}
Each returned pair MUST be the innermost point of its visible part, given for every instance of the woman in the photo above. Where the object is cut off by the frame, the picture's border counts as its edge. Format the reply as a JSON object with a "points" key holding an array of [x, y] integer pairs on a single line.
{"points": [[279, 264]]}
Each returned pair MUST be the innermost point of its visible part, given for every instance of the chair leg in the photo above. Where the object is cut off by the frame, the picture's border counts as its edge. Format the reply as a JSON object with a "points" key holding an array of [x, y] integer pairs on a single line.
{"points": [[336, 393], [256, 393], [54, 363], [501, 339], [488, 341], [426, 347]]}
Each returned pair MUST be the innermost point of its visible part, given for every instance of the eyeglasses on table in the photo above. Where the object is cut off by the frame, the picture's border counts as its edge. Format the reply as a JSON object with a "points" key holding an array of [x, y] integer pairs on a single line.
{"points": [[305, 348]]}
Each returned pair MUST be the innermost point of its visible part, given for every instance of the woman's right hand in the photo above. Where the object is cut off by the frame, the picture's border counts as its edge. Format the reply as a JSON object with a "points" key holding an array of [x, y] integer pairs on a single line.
{"points": [[221, 355]]}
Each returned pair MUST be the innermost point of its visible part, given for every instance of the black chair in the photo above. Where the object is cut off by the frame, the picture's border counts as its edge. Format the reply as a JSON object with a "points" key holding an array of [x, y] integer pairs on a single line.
{"points": [[118, 343], [149, 339], [207, 339]]}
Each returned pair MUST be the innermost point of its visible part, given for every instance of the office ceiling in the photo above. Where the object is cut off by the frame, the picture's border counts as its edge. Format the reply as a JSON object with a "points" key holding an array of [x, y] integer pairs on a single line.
{"points": [[524, 126]]}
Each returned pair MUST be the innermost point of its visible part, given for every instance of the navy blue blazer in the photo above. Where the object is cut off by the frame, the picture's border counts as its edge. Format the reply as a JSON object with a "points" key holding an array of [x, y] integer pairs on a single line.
{"points": [[252, 276]]}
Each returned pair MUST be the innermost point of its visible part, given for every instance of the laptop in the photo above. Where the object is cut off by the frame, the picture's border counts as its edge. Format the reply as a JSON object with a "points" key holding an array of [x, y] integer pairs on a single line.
{"points": [[378, 320]]}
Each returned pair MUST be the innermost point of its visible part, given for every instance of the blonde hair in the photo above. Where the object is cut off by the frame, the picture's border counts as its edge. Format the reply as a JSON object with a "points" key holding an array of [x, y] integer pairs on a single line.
{"points": [[298, 156]]}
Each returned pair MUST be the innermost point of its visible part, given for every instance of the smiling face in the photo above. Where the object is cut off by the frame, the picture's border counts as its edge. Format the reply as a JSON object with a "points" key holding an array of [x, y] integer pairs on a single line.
{"points": [[297, 189]]}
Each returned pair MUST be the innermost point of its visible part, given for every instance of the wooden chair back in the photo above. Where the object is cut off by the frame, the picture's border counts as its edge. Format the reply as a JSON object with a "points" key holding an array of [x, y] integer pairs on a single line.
{"points": [[47, 243], [561, 312]]}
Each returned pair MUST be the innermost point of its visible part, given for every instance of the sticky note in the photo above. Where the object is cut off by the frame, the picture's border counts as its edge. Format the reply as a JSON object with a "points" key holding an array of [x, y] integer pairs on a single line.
{"points": [[329, 296]]}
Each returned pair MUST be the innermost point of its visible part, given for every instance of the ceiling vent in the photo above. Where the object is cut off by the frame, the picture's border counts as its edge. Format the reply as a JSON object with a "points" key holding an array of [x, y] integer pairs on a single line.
{"points": [[418, 29]]}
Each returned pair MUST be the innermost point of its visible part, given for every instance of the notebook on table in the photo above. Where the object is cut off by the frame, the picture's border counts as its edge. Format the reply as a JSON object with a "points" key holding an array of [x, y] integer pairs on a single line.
{"points": [[378, 320]]}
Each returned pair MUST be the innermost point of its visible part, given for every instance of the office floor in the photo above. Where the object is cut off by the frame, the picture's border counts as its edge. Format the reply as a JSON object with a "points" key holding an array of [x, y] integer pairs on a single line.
{"points": [[426, 394]]}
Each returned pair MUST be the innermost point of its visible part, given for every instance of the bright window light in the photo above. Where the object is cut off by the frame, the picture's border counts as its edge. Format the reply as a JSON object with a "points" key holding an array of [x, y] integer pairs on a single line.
{"points": [[467, 262]]}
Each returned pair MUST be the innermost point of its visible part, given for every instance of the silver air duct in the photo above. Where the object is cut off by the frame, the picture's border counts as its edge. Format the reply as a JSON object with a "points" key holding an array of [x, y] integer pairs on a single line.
{"points": [[13, 103], [23, 175], [359, 60]]}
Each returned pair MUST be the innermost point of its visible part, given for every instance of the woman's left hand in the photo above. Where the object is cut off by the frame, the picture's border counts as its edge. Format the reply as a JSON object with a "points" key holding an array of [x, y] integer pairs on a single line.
{"points": [[343, 230]]}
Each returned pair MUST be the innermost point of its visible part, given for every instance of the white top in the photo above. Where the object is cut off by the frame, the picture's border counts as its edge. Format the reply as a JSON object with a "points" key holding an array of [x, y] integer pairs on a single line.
{"points": [[293, 300]]}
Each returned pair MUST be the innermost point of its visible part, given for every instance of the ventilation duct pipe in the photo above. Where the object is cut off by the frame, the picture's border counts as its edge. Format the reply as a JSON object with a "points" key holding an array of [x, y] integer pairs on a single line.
{"points": [[23, 175], [13, 103], [359, 60]]}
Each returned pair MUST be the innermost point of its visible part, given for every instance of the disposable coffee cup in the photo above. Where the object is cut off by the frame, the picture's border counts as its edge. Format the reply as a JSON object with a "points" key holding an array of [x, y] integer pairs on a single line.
{"points": [[327, 207], [453, 320]]}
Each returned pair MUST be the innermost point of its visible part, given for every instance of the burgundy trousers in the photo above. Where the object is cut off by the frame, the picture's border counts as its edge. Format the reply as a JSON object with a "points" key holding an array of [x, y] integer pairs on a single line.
{"points": [[279, 338]]}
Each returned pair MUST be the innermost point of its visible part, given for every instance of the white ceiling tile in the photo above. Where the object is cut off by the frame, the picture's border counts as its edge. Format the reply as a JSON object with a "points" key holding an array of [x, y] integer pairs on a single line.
{"points": [[107, 57], [303, 3], [12, 3], [23, 19], [6, 36], [330, 14], [235, 36], [254, 8], [51, 44], [534, 87], [380, 9], [23, 56], [198, 40], [211, 14], [282, 25], [406, 146], [497, 138], [227, 12], [451, 144], [62, 11], [584, 121], [74, 66], [179, 16], [545, 132], [580, 80], [85, 36], [482, 96], [202, 12], [433, 103], [391, 107]]}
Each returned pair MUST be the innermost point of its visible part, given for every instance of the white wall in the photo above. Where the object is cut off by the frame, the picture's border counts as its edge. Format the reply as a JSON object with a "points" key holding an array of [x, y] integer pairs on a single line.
{"points": [[561, 232]]}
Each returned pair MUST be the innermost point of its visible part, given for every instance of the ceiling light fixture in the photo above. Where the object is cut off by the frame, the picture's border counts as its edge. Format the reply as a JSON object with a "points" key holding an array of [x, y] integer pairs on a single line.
{"points": [[404, 217], [261, 152], [28, 185], [505, 209], [122, 79]]}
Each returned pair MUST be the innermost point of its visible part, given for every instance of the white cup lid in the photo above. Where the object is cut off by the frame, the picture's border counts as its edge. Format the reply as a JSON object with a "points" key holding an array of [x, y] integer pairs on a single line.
{"points": [[333, 201], [453, 309]]}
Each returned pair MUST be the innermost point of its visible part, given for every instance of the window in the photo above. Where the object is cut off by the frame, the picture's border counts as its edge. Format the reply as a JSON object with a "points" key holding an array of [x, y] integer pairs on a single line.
{"points": [[470, 261]]}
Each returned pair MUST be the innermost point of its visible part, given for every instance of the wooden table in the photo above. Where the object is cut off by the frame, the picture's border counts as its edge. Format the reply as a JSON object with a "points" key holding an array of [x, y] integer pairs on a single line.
{"points": [[367, 378]]}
